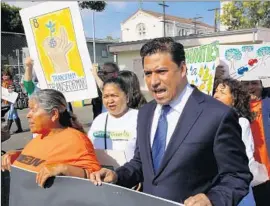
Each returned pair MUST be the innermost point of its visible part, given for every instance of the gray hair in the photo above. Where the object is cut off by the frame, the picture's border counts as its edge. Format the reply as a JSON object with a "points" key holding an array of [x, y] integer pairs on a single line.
{"points": [[49, 99]]}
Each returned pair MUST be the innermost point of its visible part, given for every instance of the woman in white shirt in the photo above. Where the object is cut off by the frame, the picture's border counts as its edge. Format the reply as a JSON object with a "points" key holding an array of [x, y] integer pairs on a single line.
{"points": [[116, 128], [233, 94]]}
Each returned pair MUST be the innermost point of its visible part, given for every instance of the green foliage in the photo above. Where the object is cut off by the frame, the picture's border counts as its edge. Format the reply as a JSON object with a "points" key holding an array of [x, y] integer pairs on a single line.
{"points": [[10, 19], [93, 5], [244, 15]]}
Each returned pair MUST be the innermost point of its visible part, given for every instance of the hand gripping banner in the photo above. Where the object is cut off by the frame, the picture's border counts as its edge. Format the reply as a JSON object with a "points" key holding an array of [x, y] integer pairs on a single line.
{"points": [[69, 191]]}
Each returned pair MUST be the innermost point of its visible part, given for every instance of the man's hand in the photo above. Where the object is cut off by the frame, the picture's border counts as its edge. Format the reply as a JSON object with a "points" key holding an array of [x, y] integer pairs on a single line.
{"points": [[28, 69], [8, 159], [97, 78], [48, 171], [198, 200], [95, 69], [29, 63], [103, 175]]}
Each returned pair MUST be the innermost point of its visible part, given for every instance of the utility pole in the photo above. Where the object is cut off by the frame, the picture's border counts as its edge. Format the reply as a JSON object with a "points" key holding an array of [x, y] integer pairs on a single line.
{"points": [[216, 14], [195, 23], [140, 4], [18, 61], [164, 20], [94, 36]]}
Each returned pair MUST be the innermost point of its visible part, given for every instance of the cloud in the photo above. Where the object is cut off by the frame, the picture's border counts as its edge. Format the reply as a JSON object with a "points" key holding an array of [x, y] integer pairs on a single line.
{"points": [[118, 5]]}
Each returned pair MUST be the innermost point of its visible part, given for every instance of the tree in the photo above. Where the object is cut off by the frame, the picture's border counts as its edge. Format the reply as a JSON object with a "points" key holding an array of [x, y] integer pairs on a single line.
{"points": [[11, 20], [109, 38], [93, 5], [247, 14]]}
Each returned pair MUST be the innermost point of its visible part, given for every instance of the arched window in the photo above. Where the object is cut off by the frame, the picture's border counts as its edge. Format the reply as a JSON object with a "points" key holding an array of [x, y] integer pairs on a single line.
{"points": [[141, 29]]}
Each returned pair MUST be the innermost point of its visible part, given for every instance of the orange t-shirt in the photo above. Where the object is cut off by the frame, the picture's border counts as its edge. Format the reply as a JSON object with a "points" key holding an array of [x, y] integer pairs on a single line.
{"points": [[261, 153], [69, 146]]}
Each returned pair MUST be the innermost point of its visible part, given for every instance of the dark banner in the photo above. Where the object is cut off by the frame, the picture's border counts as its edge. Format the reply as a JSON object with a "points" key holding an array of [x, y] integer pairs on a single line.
{"points": [[68, 191]]}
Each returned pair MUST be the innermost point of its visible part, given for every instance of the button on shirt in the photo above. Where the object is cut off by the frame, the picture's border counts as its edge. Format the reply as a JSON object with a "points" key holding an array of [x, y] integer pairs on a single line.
{"points": [[174, 114]]}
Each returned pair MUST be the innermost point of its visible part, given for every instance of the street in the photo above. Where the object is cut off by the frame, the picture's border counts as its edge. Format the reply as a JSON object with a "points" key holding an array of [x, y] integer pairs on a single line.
{"points": [[18, 141]]}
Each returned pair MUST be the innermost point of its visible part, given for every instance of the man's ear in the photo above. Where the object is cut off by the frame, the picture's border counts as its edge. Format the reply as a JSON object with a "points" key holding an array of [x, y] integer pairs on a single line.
{"points": [[183, 67], [127, 99], [55, 115]]}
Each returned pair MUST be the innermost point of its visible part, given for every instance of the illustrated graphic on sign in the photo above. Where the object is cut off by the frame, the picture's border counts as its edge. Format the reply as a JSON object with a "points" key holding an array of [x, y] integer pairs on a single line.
{"points": [[246, 50], [201, 66], [232, 55], [57, 48], [57, 44], [247, 62], [264, 53]]}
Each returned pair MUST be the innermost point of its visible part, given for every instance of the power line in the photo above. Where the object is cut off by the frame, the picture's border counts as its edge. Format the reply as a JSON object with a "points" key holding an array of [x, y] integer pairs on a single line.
{"points": [[216, 14], [164, 21]]}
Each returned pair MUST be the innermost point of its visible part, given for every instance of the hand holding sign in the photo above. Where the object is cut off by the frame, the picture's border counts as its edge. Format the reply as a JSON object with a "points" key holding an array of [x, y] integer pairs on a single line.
{"points": [[48, 171], [8, 159], [199, 199], [103, 175], [57, 49]]}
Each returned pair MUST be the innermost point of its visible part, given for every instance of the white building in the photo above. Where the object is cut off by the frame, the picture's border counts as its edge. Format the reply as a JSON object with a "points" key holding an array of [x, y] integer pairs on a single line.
{"points": [[148, 24], [127, 54]]}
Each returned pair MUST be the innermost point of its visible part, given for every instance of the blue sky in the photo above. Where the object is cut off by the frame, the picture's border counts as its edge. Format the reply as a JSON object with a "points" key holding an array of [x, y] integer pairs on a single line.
{"points": [[108, 22]]}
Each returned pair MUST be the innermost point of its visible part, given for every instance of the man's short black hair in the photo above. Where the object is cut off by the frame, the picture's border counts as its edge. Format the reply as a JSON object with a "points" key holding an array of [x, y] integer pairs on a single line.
{"points": [[113, 67], [164, 44]]}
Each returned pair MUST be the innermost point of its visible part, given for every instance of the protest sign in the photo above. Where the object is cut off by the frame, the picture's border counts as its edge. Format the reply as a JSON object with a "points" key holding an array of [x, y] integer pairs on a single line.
{"points": [[201, 66], [70, 191], [9, 96], [57, 44], [246, 62]]}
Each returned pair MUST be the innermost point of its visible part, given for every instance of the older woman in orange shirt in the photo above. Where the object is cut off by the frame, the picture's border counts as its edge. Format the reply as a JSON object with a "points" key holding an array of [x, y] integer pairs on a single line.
{"points": [[61, 147]]}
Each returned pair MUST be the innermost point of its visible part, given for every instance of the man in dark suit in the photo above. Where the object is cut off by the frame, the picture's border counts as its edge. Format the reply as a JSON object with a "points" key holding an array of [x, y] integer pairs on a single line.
{"points": [[189, 146]]}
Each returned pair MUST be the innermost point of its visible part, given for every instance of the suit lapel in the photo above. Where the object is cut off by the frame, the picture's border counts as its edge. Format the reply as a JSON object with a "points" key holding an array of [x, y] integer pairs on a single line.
{"points": [[189, 116], [148, 148]]}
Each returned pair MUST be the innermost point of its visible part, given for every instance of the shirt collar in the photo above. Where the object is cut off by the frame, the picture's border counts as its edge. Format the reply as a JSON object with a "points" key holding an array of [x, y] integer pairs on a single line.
{"points": [[179, 103]]}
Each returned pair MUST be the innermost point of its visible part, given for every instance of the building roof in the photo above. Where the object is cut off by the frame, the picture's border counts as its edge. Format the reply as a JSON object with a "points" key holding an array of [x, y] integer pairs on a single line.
{"points": [[195, 40], [89, 40], [172, 18]]}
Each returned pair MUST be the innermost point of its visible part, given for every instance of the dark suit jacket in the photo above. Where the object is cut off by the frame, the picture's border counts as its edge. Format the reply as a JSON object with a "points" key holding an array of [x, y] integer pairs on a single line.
{"points": [[205, 155], [97, 104]]}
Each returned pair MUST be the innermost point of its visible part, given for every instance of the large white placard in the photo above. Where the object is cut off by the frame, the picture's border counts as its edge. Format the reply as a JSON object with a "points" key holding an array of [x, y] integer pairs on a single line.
{"points": [[201, 66], [246, 62], [9, 96], [57, 44]]}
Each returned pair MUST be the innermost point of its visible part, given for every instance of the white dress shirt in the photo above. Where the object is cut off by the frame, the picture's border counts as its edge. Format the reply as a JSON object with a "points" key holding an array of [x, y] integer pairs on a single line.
{"points": [[174, 114]]}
